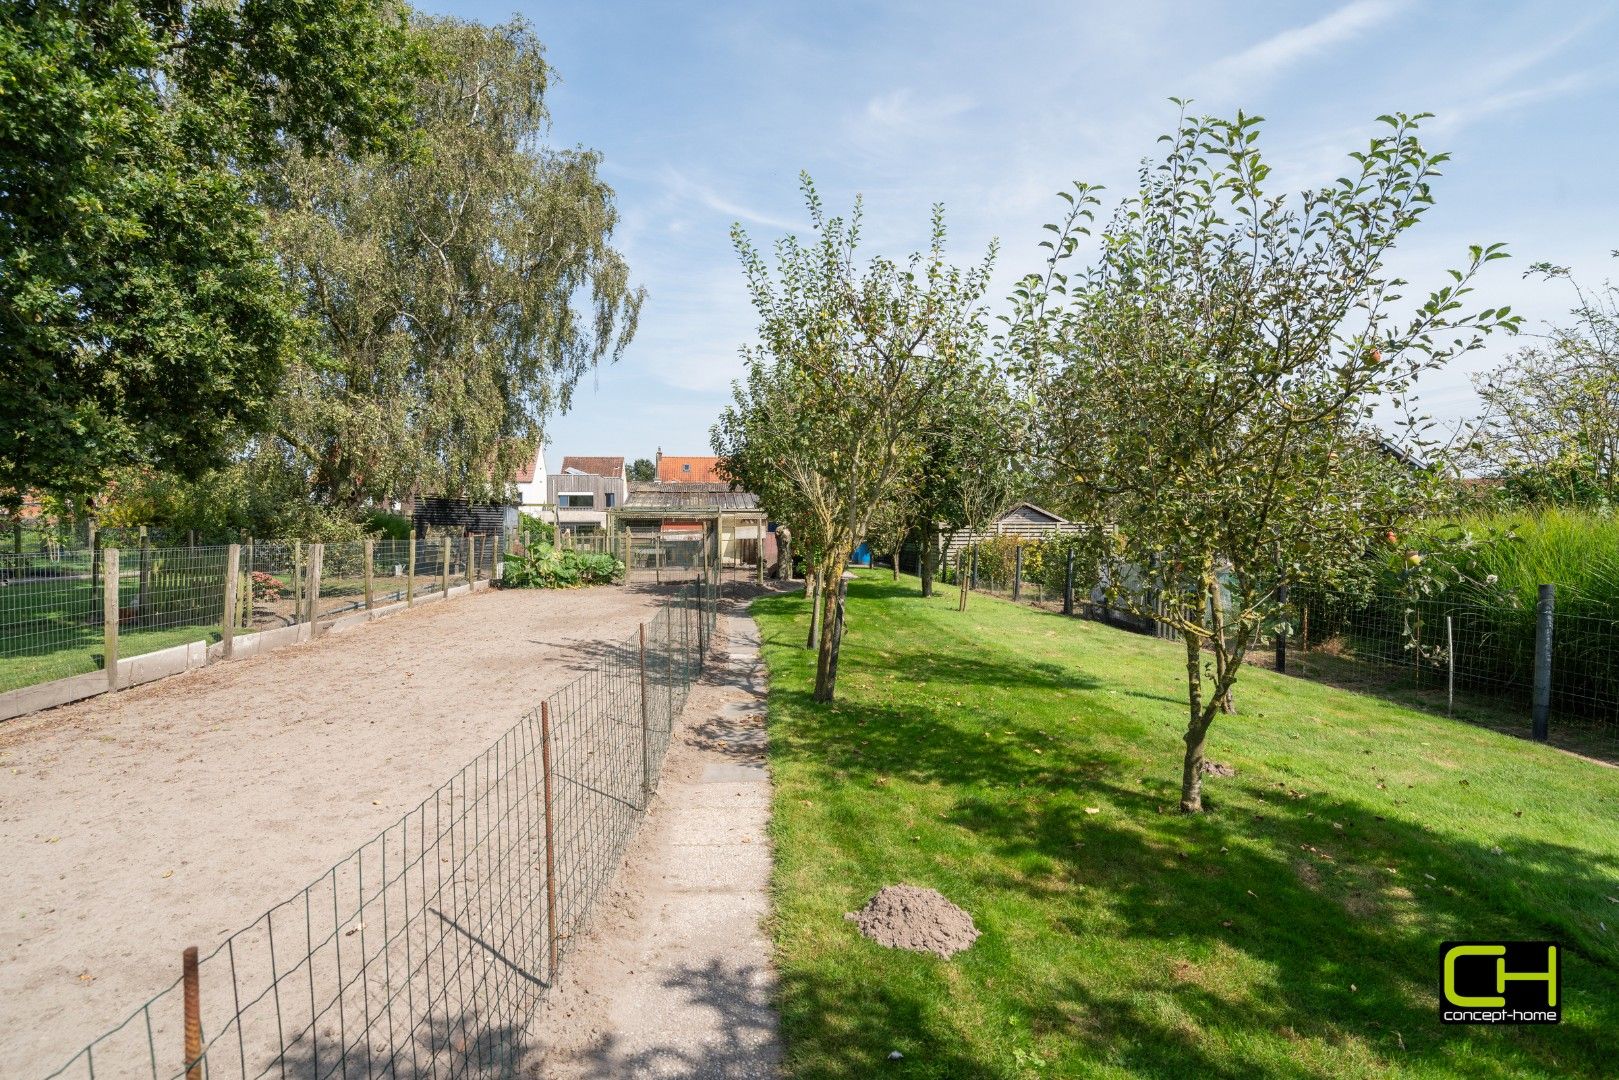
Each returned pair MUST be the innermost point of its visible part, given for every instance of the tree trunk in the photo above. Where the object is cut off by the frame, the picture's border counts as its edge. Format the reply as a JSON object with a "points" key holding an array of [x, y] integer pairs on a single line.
{"points": [[930, 556], [812, 589], [826, 663], [1197, 728], [896, 563], [1217, 641]]}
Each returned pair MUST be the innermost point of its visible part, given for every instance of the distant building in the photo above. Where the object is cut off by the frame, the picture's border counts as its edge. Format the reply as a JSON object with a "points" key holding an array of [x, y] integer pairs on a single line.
{"points": [[587, 490], [688, 469], [1025, 519], [530, 481]]}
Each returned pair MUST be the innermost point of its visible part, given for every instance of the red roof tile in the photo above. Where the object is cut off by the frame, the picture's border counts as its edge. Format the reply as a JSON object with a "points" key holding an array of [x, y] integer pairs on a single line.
{"points": [[595, 466], [689, 469]]}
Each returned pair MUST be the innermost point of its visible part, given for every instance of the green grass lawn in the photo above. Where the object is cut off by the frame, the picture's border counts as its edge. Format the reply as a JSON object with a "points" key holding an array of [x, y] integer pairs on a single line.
{"points": [[1028, 766]]}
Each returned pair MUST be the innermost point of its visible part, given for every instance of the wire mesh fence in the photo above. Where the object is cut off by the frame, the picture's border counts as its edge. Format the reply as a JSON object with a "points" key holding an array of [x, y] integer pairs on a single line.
{"points": [[426, 951], [1474, 661], [50, 616], [55, 610]]}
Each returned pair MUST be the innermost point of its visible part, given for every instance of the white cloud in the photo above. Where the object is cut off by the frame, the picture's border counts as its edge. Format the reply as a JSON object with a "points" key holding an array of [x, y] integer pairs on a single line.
{"points": [[690, 190], [1272, 56]]}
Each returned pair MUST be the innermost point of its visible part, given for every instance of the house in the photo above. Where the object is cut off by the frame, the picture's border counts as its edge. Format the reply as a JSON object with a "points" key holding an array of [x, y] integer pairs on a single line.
{"points": [[688, 469], [1025, 519], [587, 490], [530, 481]]}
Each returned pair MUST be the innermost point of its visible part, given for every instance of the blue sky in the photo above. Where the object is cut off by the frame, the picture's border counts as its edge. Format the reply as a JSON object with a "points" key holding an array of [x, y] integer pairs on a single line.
{"points": [[706, 113]]}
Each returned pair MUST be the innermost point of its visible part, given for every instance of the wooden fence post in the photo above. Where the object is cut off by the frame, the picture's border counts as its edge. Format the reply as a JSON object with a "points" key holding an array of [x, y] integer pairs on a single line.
{"points": [[646, 732], [444, 568], [297, 581], [317, 556], [1545, 609], [471, 547], [550, 844], [109, 615], [410, 573], [369, 555], [193, 1014], [227, 627]]}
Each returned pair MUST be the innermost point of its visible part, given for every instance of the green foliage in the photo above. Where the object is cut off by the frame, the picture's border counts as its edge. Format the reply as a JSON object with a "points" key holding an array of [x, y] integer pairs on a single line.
{"points": [[1023, 773], [388, 525], [541, 566], [1204, 387], [143, 319], [643, 470], [849, 359], [1550, 429], [453, 298], [533, 529]]}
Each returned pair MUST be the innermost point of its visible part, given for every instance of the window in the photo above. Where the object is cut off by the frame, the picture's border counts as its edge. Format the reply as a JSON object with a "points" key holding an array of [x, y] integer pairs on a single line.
{"points": [[610, 495], [586, 501], [685, 466]]}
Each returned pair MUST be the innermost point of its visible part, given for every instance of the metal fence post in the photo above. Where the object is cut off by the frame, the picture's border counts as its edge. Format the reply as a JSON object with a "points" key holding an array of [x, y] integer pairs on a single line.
{"points": [[227, 622], [1068, 585], [1545, 608], [1281, 629], [109, 614], [1017, 574], [193, 1014], [369, 555], [550, 843], [1450, 663], [646, 732], [972, 577]]}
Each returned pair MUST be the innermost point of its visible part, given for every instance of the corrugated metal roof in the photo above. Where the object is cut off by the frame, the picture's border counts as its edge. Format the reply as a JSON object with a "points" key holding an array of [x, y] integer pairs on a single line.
{"points": [[689, 498]]}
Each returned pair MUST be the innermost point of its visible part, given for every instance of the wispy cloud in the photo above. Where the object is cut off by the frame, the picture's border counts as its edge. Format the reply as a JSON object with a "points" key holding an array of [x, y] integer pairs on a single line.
{"points": [[1289, 48], [905, 112], [691, 190]]}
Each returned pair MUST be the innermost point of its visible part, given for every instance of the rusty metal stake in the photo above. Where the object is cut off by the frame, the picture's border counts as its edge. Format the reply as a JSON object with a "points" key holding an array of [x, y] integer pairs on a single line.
{"points": [[193, 1007], [550, 842]]}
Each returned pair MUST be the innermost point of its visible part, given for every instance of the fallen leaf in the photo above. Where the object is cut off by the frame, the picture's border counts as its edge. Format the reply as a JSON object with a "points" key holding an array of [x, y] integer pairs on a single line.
{"points": [[168, 873], [1093, 809]]}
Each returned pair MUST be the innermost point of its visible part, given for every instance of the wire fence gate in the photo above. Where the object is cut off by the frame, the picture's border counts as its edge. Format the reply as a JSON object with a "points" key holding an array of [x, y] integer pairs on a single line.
{"points": [[426, 951]]}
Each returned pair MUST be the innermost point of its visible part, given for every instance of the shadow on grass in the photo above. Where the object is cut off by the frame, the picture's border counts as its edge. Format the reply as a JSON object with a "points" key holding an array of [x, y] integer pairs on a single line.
{"points": [[1331, 907]]}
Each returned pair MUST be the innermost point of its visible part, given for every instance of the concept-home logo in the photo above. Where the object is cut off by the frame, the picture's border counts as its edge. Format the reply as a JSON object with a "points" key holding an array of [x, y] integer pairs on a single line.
{"points": [[1500, 982]]}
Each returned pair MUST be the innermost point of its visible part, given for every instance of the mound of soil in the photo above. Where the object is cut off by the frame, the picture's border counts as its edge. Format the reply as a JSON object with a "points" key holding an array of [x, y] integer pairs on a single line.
{"points": [[922, 920]]}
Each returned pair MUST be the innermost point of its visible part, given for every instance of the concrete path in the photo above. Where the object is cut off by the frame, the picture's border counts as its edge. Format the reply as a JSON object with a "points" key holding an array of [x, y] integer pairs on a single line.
{"points": [[674, 977]]}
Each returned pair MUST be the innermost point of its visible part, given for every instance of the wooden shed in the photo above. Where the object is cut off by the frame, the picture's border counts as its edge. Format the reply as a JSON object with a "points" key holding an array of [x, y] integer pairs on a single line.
{"points": [[1025, 519]]}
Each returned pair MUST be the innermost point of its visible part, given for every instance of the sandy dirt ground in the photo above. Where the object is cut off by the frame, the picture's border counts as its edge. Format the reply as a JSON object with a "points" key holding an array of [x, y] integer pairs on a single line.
{"points": [[134, 824], [674, 977]]}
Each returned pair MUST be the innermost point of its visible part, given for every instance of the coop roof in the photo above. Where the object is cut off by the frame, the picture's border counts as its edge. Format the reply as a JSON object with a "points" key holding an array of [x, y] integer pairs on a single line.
{"points": [[688, 498]]}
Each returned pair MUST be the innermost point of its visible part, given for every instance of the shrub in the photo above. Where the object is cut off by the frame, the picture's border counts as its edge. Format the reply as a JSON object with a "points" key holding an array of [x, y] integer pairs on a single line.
{"points": [[541, 566]]}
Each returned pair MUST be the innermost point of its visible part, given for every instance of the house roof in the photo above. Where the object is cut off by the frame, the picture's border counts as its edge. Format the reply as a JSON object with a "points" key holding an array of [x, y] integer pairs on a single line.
{"points": [[700, 498], [1055, 518], [595, 466], [689, 469], [524, 474]]}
